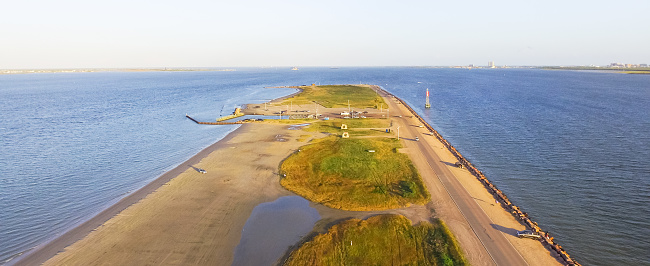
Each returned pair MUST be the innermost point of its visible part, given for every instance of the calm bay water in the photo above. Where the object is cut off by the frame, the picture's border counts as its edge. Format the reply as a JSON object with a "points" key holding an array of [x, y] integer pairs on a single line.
{"points": [[570, 148]]}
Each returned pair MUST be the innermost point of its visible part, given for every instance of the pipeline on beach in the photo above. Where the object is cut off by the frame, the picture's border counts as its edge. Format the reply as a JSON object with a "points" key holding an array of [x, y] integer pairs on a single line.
{"points": [[545, 238]]}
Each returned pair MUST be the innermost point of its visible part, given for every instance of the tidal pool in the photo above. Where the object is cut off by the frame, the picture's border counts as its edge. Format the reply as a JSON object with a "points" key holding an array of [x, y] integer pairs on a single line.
{"points": [[272, 228], [298, 126]]}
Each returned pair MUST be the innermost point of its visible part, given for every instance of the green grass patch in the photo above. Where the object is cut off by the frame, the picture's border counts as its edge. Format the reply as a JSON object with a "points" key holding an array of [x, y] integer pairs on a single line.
{"points": [[286, 121], [381, 240], [332, 96], [303, 138], [343, 174], [647, 72], [334, 125], [374, 133]]}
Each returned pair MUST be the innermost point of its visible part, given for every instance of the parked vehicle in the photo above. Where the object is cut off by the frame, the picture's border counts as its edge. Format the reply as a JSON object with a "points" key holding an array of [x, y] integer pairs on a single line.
{"points": [[528, 234]]}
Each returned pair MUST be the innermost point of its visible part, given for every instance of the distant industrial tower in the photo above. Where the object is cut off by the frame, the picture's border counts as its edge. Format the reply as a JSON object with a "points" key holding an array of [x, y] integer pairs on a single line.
{"points": [[427, 105], [491, 64]]}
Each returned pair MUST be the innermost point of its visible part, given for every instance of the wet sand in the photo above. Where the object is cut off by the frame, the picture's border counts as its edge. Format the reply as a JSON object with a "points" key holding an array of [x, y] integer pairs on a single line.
{"points": [[42, 253]]}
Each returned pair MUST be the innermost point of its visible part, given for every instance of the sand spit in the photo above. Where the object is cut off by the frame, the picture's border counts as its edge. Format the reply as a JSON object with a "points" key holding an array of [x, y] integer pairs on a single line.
{"points": [[186, 217]]}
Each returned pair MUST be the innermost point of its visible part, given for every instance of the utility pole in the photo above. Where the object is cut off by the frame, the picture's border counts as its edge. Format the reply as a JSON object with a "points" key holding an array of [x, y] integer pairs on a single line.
{"points": [[398, 132], [349, 109]]}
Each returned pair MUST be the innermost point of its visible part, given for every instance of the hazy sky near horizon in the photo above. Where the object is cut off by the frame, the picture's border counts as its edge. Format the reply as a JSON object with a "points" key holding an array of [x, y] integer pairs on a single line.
{"points": [[203, 33]]}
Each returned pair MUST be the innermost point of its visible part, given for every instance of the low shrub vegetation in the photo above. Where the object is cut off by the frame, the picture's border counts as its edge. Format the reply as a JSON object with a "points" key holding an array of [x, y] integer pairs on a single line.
{"points": [[345, 174], [332, 96], [380, 240]]}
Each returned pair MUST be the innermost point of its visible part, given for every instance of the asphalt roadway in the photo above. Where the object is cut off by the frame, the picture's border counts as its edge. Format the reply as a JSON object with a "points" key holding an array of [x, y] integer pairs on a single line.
{"points": [[497, 246]]}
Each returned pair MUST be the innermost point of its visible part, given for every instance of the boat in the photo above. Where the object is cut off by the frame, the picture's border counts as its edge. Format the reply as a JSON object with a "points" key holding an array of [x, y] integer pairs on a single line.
{"points": [[294, 68]]}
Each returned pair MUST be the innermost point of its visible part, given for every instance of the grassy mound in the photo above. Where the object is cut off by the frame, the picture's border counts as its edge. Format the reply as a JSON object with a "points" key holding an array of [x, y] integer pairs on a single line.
{"points": [[381, 240], [332, 96], [343, 174]]}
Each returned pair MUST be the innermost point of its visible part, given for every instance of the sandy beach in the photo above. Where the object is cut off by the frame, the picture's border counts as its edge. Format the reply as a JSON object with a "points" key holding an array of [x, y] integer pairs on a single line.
{"points": [[193, 218], [186, 217]]}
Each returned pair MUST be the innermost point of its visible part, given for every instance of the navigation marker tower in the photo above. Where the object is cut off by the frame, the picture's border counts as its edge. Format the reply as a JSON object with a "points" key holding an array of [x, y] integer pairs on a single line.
{"points": [[427, 105]]}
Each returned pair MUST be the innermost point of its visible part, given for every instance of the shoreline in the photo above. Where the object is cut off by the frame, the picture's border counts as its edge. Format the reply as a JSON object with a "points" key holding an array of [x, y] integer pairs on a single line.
{"points": [[40, 254], [96, 70]]}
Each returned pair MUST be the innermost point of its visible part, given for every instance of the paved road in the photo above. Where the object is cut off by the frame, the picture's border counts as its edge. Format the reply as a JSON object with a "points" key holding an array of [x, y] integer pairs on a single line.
{"points": [[498, 247]]}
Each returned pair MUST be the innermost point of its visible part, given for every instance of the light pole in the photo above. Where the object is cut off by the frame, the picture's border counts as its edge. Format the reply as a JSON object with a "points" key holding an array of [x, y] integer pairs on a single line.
{"points": [[349, 109]]}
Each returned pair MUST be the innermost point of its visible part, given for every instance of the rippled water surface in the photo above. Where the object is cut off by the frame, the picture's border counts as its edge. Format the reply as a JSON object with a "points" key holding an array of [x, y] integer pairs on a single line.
{"points": [[570, 148]]}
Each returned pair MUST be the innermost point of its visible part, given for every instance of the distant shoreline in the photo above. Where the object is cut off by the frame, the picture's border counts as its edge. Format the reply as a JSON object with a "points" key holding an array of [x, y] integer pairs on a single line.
{"points": [[642, 71], [88, 70]]}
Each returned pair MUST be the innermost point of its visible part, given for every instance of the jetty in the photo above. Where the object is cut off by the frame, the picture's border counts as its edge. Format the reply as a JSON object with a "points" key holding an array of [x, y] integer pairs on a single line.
{"points": [[502, 199], [219, 123]]}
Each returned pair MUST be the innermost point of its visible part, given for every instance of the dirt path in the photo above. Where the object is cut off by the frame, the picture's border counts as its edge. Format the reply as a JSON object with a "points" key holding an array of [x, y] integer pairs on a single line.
{"points": [[485, 230]]}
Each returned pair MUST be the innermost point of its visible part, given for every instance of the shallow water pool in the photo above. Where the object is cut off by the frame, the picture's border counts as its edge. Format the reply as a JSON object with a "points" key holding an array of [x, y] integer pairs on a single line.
{"points": [[272, 228]]}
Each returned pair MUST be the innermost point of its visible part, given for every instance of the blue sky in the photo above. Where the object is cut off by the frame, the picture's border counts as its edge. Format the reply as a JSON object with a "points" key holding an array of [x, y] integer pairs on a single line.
{"points": [[196, 33]]}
